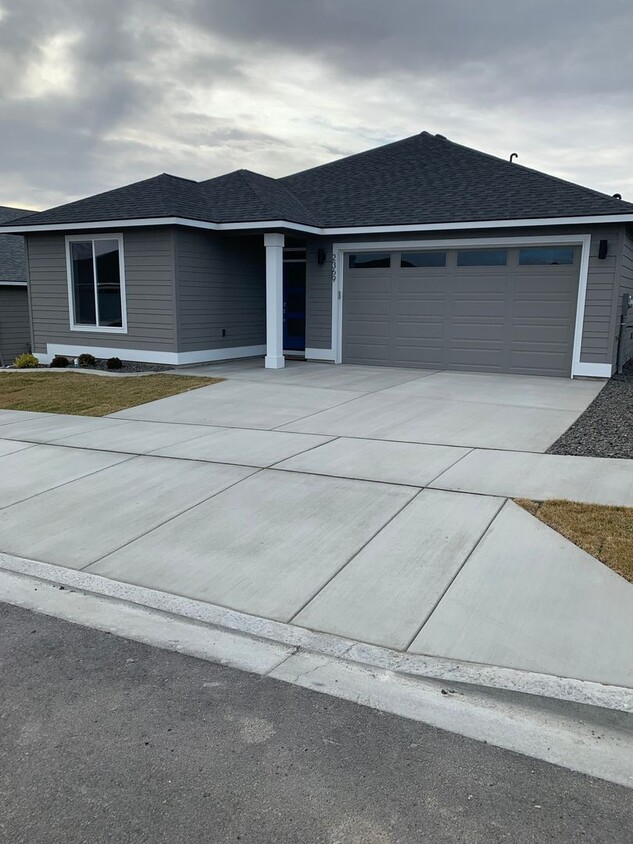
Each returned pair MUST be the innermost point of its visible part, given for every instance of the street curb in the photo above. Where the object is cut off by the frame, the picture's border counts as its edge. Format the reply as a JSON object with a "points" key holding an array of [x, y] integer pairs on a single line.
{"points": [[585, 737], [572, 690]]}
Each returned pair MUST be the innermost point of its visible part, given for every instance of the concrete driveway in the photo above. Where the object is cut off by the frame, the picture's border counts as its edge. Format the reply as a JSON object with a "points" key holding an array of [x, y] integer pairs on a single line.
{"points": [[367, 503], [519, 413]]}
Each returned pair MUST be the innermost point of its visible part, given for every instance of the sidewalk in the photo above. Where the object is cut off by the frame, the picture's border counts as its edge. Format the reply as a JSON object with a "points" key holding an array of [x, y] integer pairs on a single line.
{"points": [[409, 547]]}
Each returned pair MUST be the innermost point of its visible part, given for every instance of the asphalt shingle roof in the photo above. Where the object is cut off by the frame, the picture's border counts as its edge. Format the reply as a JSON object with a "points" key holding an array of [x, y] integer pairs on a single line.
{"points": [[12, 251], [422, 179]]}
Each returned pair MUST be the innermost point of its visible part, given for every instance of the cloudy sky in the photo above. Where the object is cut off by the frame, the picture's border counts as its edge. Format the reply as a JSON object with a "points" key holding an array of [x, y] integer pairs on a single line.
{"points": [[99, 93]]}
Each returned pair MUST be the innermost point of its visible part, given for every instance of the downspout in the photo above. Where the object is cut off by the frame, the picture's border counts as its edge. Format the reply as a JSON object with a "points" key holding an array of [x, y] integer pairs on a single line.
{"points": [[627, 304]]}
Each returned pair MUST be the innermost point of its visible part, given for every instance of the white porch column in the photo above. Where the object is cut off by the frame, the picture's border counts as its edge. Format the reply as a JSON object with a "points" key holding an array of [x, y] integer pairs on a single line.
{"points": [[274, 244]]}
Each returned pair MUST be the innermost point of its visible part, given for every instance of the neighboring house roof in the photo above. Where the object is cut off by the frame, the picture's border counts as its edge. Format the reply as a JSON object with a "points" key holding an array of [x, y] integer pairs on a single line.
{"points": [[12, 252], [425, 179]]}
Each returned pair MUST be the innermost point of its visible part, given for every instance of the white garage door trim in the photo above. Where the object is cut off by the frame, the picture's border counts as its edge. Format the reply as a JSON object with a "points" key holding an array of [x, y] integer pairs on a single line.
{"points": [[599, 370]]}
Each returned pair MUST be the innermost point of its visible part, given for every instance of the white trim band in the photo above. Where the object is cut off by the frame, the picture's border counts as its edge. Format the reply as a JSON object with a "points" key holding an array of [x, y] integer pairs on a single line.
{"points": [[320, 354], [322, 230], [593, 370], [149, 356]]}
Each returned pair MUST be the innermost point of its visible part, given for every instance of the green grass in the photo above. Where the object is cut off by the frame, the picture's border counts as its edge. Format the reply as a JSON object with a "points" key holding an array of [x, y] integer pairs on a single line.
{"points": [[89, 395]]}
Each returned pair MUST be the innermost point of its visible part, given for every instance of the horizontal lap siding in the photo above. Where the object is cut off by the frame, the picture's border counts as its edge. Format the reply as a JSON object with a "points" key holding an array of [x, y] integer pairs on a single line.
{"points": [[221, 282], [626, 287], [602, 281], [15, 330], [150, 293], [318, 295]]}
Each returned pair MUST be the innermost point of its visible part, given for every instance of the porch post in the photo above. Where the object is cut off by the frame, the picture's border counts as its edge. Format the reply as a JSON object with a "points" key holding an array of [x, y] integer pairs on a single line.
{"points": [[274, 244]]}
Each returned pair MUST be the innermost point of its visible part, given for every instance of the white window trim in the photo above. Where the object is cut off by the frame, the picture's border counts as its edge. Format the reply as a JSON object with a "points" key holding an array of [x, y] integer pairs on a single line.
{"points": [[92, 329], [582, 240]]}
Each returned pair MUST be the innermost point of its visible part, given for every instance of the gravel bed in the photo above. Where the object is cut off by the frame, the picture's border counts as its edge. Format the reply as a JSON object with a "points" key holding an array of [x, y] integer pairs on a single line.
{"points": [[605, 429], [129, 366]]}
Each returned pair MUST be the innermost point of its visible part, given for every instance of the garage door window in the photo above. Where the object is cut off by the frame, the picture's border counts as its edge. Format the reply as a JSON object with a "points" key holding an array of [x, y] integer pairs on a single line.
{"points": [[482, 258], [540, 255], [369, 260], [423, 259]]}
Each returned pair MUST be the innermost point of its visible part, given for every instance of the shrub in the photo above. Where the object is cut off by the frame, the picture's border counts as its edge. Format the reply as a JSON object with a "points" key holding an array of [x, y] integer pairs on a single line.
{"points": [[86, 359], [60, 362], [114, 363], [26, 361]]}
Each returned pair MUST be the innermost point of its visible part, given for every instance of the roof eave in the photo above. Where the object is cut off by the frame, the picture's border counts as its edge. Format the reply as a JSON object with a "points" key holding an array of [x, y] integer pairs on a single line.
{"points": [[321, 230]]}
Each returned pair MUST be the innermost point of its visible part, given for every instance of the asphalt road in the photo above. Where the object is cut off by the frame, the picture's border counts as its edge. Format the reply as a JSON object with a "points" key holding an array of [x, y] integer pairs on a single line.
{"points": [[107, 740]]}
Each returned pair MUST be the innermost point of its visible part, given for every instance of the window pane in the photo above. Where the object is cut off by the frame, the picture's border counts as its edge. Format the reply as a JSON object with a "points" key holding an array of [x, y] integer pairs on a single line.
{"points": [[423, 259], [83, 282], [369, 260], [482, 258], [108, 282], [540, 255]]}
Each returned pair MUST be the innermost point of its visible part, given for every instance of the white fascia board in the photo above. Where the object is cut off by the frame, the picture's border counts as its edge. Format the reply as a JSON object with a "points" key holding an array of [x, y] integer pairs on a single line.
{"points": [[13, 283], [318, 230]]}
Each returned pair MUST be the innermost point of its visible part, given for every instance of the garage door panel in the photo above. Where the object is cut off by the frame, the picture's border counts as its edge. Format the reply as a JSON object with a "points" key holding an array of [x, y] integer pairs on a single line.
{"points": [[553, 311], [404, 284], [418, 355], [422, 329], [428, 308], [479, 307], [483, 333], [505, 319], [369, 285]]}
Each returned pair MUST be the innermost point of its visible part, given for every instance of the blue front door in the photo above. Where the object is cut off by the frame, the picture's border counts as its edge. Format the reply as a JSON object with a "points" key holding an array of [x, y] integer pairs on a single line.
{"points": [[294, 306]]}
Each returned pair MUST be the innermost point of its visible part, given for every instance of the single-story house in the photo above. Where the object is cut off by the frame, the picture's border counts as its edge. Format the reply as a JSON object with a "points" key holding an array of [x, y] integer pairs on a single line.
{"points": [[15, 327], [421, 253]]}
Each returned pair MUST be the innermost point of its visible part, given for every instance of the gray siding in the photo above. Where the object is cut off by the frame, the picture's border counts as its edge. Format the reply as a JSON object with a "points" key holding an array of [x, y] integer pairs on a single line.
{"points": [[15, 330], [221, 287], [318, 295], [626, 287], [150, 293], [603, 282]]}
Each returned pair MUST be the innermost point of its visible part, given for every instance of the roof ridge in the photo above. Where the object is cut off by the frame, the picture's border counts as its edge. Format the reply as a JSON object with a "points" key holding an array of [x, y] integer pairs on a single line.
{"points": [[504, 161], [277, 182], [352, 156]]}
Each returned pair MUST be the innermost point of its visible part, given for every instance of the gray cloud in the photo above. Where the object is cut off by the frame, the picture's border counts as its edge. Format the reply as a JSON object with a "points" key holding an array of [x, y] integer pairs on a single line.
{"points": [[95, 94]]}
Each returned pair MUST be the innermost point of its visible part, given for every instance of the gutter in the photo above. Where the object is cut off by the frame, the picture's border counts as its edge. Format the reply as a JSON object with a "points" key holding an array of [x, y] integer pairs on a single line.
{"points": [[325, 231]]}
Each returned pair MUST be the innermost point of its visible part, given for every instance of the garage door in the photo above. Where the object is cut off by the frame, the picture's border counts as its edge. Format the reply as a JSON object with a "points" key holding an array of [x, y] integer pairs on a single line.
{"points": [[496, 310]]}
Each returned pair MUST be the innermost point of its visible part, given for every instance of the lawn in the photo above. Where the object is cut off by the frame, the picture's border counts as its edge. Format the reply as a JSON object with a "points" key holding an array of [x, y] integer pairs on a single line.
{"points": [[604, 532], [89, 395]]}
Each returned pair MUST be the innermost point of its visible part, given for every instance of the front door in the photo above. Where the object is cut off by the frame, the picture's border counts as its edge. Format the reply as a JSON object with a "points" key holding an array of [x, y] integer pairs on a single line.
{"points": [[294, 306]]}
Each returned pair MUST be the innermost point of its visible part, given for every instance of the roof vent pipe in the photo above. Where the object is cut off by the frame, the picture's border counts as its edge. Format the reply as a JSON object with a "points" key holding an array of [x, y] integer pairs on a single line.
{"points": [[513, 156], [617, 196]]}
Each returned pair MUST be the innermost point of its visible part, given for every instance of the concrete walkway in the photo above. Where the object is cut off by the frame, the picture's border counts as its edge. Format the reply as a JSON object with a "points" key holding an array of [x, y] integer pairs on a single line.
{"points": [[409, 545]]}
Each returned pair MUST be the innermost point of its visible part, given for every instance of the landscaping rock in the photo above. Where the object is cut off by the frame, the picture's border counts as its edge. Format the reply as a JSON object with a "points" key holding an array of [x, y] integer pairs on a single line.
{"points": [[605, 429]]}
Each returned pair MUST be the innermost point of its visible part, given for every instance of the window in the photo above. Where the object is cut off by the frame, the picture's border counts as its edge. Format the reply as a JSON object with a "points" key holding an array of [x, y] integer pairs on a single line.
{"points": [[423, 259], [95, 271], [540, 255], [369, 260], [482, 258]]}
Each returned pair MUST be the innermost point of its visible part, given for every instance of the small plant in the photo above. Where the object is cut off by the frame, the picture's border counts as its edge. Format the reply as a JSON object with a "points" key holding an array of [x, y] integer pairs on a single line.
{"points": [[114, 363], [60, 362], [26, 361], [86, 359]]}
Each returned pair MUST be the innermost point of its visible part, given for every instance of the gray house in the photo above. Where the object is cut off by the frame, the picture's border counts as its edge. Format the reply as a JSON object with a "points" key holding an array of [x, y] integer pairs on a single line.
{"points": [[419, 253], [15, 328]]}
